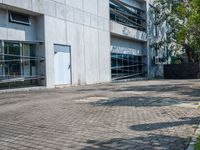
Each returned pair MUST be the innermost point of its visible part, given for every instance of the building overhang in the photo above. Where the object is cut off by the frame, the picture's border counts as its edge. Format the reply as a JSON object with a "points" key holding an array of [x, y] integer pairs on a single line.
{"points": [[127, 32], [18, 9]]}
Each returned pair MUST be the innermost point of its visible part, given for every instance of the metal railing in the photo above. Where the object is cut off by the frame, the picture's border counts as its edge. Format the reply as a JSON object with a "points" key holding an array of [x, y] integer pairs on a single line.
{"points": [[19, 69], [127, 66], [127, 15]]}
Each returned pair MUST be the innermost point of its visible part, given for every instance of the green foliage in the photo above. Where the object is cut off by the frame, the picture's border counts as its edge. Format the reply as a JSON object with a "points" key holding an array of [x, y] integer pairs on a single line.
{"points": [[194, 25], [197, 145], [175, 60], [182, 19]]}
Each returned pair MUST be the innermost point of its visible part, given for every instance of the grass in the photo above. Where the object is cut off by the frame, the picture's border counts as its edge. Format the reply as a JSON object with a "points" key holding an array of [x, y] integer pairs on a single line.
{"points": [[197, 145]]}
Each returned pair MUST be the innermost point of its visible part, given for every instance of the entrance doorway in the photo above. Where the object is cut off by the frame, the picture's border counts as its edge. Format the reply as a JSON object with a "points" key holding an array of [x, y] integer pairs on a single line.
{"points": [[62, 64]]}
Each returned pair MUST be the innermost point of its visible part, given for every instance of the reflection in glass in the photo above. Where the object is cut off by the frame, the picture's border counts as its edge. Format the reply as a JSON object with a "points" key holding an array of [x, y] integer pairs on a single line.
{"points": [[126, 66], [1, 61], [12, 61], [19, 65]]}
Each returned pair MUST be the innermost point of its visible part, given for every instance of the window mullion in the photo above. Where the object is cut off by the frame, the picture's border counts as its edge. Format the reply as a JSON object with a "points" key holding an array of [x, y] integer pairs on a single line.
{"points": [[3, 58], [21, 59]]}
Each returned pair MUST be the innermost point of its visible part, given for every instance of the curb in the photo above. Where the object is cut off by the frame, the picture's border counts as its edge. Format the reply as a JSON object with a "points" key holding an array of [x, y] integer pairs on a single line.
{"points": [[28, 89]]}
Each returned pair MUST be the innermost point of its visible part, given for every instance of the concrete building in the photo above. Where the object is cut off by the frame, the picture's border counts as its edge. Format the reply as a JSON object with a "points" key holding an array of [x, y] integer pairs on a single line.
{"points": [[73, 42]]}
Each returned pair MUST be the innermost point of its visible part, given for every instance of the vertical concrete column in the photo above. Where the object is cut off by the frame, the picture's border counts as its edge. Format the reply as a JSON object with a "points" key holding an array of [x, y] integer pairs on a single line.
{"points": [[148, 43]]}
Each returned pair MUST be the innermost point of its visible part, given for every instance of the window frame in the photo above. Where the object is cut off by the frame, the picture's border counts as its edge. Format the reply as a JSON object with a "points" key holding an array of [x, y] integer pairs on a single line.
{"points": [[12, 20]]}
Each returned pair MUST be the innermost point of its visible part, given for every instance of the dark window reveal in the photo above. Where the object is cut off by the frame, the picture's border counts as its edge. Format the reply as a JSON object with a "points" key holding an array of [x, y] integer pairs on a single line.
{"points": [[19, 18]]}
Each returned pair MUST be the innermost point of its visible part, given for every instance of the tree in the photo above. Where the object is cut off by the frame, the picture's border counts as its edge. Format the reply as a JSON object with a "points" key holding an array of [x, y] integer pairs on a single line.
{"points": [[182, 21]]}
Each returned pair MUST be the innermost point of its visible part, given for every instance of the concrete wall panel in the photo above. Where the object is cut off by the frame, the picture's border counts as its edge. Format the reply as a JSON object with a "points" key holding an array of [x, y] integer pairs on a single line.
{"points": [[87, 19], [121, 30], [60, 11], [103, 9], [106, 25], [75, 39], [44, 6], [104, 57], [78, 16], [91, 55], [3, 24], [94, 21], [121, 42], [26, 4], [3, 33], [15, 34], [75, 3], [61, 1], [69, 13], [55, 30], [49, 54], [90, 6]]}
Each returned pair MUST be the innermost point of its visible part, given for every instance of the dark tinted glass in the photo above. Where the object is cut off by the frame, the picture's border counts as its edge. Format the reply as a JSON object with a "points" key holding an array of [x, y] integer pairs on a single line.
{"points": [[19, 18], [126, 66]]}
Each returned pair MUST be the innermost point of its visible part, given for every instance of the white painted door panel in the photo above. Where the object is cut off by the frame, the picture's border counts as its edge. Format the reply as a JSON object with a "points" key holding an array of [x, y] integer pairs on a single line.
{"points": [[62, 67]]}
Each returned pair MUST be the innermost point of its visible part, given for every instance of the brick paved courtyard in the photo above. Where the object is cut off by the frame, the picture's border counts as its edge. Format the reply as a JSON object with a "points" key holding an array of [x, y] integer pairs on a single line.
{"points": [[141, 115]]}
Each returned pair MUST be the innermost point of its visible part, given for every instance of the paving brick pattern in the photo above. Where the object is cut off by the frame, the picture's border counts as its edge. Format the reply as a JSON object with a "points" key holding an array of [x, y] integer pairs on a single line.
{"points": [[141, 115]]}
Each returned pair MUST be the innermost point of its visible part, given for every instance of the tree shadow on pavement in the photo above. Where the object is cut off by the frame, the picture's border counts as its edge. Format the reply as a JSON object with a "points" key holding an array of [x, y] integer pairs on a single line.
{"points": [[164, 125], [156, 88], [150, 142], [193, 92], [140, 101]]}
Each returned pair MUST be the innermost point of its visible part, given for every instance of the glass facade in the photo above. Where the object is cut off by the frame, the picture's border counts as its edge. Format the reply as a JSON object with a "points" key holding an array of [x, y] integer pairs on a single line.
{"points": [[19, 65], [127, 15], [126, 66], [12, 61], [128, 56], [1, 61]]}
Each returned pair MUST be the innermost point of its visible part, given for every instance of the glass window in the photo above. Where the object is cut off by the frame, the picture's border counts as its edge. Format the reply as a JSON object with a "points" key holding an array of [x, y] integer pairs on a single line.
{"points": [[12, 59], [126, 66], [26, 60], [19, 61], [19, 65], [19, 18], [128, 15], [1, 47], [1, 61]]}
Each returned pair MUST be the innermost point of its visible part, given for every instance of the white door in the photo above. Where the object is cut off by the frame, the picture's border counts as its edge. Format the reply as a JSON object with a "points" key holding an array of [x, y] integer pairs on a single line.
{"points": [[62, 66]]}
